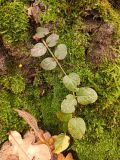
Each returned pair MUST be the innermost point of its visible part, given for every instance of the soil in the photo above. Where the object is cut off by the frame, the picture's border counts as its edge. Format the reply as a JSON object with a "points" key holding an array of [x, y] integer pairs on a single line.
{"points": [[102, 42], [115, 3], [3, 67]]}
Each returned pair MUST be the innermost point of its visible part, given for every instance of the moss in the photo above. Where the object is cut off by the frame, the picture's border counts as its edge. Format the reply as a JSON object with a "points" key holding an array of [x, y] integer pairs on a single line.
{"points": [[14, 83], [8, 118], [107, 78], [53, 11], [13, 22], [50, 103], [109, 15], [14, 96], [105, 148]]}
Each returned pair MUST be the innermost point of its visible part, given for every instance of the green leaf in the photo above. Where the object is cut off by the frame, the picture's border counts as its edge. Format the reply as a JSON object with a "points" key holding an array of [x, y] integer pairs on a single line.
{"points": [[71, 81], [76, 127], [68, 104], [41, 32], [86, 95], [52, 40], [64, 117], [38, 50], [48, 63], [61, 143], [61, 51]]}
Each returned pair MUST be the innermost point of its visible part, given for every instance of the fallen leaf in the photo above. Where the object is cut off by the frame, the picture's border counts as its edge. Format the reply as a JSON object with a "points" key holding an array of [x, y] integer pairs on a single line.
{"points": [[62, 157], [69, 157], [29, 137], [34, 12], [27, 151], [61, 143], [39, 152], [32, 122], [47, 136], [6, 152], [19, 147]]}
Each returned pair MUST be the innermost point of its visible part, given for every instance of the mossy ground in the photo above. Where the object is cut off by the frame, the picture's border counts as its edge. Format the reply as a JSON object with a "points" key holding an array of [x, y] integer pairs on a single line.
{"points": [[43, 95]]}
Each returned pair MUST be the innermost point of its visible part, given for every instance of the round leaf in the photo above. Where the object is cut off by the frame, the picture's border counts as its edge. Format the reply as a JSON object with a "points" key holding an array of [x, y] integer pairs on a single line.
{"points": [[75, 77], [38, 50], [61, 51], [86, 95], [48, 63], [52, 40], [76, 127], [41, 32], [68, 104], [61, 143], [71, 81]]}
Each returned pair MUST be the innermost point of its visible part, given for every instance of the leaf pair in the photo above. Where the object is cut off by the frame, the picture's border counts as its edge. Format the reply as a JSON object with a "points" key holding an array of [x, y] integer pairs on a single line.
{"points": [[51, 40], [85, 95], [40, 49]]}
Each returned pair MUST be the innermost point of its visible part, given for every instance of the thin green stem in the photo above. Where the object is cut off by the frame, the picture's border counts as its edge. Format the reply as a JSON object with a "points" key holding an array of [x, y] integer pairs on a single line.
{"points": [[54, 57]]}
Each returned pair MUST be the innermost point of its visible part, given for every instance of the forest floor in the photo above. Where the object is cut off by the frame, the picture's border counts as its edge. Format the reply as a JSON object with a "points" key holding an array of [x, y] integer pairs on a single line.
{"points": [[91, 32]]}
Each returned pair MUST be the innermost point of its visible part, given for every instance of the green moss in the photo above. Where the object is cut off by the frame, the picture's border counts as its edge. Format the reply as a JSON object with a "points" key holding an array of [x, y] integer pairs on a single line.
{"points": [[105, 148], [54, 10], [14, 83], [13, 95], [8, 118], [13, 22], [107, 78], [51, 102]]}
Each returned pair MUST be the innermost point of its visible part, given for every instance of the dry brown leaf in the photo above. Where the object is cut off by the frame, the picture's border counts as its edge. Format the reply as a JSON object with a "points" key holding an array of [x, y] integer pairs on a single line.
{"points": [[47, 136], [29, 137], [25, 150], [68, 157], [34, 11], [61, 157], [6, 152], [19, 147], [32, 122], [12, 157]]}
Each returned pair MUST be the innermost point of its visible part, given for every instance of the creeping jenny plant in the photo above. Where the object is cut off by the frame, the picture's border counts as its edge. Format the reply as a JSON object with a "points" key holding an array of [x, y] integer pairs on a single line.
{"points": [[81, 95]]}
